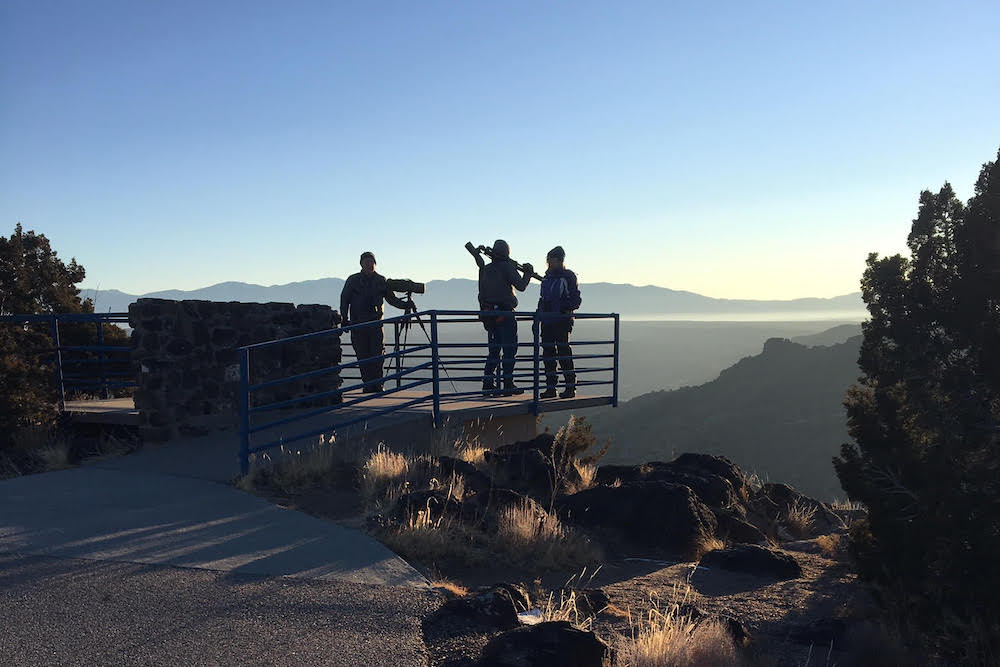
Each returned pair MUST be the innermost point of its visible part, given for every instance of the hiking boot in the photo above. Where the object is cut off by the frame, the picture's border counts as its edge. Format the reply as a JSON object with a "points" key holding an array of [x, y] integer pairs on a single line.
{"points": [[509, 389], [548, 393], [569, 392], [489, 387]]}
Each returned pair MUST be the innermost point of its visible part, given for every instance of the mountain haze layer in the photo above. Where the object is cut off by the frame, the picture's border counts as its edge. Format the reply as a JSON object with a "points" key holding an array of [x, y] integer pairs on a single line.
{"points": [[460, 294]]}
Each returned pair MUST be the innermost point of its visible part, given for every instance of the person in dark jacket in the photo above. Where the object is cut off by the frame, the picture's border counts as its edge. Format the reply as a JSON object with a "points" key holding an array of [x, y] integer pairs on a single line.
{"points": [[361, 301], [497, 282], [560, 296]]}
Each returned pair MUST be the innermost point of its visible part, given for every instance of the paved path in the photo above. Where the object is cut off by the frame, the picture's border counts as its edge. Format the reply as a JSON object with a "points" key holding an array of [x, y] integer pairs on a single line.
{"points": [[187, 554]]}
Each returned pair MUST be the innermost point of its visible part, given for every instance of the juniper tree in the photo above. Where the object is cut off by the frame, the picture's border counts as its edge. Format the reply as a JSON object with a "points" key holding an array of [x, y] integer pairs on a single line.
{"points": [[925, 421]]}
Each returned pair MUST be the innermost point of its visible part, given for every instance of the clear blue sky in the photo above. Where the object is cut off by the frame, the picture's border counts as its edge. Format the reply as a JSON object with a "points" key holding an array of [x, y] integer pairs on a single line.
{"points": [[744, 149]]}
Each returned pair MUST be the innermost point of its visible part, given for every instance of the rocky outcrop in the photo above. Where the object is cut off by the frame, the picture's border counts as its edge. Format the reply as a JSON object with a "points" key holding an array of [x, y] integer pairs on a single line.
{"points": [[187, 356], [754, 559], [644, 516], [552, 644]]}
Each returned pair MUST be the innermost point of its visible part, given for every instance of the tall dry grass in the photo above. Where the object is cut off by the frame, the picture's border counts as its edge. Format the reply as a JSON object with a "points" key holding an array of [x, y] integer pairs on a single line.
{"points": [[383, 469], [669, 638], [799, 519], [531, 536]]}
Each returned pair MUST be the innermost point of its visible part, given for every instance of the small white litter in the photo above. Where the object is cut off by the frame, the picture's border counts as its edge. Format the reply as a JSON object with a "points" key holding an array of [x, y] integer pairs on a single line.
{"points": [[530, 617]]}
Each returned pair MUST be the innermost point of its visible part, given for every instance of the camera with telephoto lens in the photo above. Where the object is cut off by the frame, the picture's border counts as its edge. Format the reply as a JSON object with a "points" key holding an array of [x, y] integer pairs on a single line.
{"points": [[404, 285]]}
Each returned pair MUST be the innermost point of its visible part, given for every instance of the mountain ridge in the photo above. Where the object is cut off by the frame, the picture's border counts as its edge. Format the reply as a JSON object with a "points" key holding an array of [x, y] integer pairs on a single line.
{"points": [[460, 293]]}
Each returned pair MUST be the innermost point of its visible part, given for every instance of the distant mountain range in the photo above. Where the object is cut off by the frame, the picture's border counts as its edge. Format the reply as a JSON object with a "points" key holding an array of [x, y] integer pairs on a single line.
{"points": [[779, 413], [460, 294]]}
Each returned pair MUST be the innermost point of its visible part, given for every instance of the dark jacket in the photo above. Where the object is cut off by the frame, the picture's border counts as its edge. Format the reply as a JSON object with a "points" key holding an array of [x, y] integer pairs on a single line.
{"points": [[560, 293], [361, 298], [497, 281]]}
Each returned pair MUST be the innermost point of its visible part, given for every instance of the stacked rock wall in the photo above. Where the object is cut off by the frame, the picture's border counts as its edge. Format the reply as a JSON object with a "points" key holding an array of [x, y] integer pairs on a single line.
{"points": [[187, 356]]}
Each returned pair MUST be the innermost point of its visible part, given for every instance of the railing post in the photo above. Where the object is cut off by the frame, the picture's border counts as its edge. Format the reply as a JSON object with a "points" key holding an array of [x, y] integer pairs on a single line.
{"points": [[399, 356], [101, 357], [614, 396], [59, 368], [244, 411], [535, 326], [435, 360]]}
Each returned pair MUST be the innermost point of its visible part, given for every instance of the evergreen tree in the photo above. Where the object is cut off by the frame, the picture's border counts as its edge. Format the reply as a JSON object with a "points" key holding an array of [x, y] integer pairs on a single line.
{"points": [[925, 420]]}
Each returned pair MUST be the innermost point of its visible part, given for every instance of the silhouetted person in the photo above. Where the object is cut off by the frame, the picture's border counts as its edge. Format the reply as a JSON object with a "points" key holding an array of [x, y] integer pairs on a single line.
{"points": [[497, 281], [560, 296], [361, 301]]}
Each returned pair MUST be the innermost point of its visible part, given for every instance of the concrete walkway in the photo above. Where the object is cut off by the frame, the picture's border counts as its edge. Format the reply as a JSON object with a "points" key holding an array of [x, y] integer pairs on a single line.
{"points": [[164, 513]]}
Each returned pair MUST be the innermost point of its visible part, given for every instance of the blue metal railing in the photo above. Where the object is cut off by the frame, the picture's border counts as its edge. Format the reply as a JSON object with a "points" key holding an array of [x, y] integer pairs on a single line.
{"points": [[101, 368], [424, 365]]}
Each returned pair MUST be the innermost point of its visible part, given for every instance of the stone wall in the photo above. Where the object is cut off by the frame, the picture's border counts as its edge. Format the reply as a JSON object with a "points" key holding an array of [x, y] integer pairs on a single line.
{"points": [[188, 362]]}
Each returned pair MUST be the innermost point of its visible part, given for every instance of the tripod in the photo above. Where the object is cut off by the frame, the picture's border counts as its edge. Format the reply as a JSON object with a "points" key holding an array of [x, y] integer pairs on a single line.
{"points": [[412, 307]]}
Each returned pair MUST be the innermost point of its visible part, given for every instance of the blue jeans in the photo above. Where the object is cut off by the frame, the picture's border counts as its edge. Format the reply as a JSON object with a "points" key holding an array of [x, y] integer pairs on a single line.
{"points": [[502, 337]]}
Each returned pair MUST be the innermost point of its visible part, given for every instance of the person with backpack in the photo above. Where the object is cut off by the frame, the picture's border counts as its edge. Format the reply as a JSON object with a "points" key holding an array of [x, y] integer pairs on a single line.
{"points": [[497, 282], [560, 296]]}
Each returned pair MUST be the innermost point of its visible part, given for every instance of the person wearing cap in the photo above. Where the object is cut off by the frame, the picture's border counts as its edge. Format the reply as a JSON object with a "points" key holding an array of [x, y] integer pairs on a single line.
{"points": [[559, 297], [497, 282], [361, 301]]}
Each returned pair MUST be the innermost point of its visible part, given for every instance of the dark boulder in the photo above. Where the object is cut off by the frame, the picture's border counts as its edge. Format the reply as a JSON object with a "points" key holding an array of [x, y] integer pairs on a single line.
{"points": [[733, 529], [772, 502], [753, 559], [475, 480], [527, 471], [495, 608], [716, 480], [552, 644], [735, 628], [657, 516], [427, 505]]}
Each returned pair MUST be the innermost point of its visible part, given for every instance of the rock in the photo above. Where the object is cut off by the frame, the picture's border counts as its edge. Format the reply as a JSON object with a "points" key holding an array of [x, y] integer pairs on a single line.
{"points": [[820, 632], [435, 502], [551, 644], [735, 530], [734, 627], [773, 501], [589, 601], [717, 481], [475, 480], [495, 608], [527, 471], [649, 515], [754, 559]]}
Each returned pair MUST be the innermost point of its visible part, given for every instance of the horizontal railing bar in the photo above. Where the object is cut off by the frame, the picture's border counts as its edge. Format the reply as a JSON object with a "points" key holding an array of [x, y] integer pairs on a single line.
{"points": [[413, 318], [331, 369], [331, 408], [358, 420], [94, 348], [339, 390], [92, 318]]}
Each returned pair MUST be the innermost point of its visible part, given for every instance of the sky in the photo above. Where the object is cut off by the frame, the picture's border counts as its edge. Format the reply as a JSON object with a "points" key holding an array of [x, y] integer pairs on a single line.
{"points": [[741, 150]]}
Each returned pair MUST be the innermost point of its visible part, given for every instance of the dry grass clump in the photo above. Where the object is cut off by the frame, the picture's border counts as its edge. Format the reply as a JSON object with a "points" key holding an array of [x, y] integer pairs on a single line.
{"points": [[705, 544], [532, 536], [296, 470], [380, 471], [473, 453], [799, 519], [436, 542], [846, 505], [450, 587], [47, 447], [830, 545], [672, 639]]}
